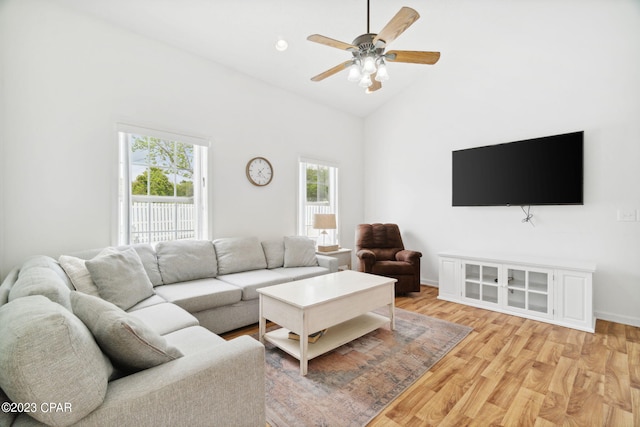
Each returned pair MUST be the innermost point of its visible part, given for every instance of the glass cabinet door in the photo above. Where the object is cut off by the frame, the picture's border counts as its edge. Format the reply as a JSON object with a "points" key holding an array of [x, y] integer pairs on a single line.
{"points": [[481, 282], [528, 290]]}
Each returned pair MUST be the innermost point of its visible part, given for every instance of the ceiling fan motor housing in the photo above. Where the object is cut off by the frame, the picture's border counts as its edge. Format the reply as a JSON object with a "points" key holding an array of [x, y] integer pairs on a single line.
{"points": [[366, 46]]}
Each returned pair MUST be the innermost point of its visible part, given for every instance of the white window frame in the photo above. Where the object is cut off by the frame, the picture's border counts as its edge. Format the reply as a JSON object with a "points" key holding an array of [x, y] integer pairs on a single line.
{"points": [[200, 181], [307, 209]]}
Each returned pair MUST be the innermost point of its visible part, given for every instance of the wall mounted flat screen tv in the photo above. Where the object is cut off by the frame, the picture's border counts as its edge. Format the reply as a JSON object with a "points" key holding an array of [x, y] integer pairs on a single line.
{"points": [[540, 171]]}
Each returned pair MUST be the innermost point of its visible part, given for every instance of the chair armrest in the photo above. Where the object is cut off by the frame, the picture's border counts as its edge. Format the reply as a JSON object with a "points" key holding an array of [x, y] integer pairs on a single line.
{"points": [[221, 386], [409, 256], [367, 258], [328, 262]]}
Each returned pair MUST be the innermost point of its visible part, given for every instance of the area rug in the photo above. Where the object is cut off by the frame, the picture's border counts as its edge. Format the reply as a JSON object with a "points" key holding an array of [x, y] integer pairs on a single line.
{"points": [[351, 384]]}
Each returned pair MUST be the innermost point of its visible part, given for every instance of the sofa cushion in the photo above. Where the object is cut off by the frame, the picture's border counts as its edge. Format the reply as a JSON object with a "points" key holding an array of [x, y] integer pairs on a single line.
{"points": [[299, 251], [298, 273], [149, 260], [165, 318], [199, 295], [250, 281], [194, 339], [48, 262], [120, 278], [237, 254], [130, 344], [184, 260], [77, 271], [152, 300], [40, 281], [48, 355], [274, 252]]}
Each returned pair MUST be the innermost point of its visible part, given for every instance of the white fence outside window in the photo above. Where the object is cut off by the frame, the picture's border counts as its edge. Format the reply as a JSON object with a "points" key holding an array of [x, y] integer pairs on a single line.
{"points": [[157, 222]]}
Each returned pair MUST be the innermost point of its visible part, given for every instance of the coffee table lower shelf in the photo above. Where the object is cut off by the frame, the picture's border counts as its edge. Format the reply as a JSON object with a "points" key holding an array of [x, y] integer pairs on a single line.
{"points": [[335, 336]]}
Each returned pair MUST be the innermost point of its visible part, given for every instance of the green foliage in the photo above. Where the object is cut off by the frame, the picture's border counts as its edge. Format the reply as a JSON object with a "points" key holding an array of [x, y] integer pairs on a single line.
{"points": [[158, 185], [317, 184], [164, 159], [174, 157]]}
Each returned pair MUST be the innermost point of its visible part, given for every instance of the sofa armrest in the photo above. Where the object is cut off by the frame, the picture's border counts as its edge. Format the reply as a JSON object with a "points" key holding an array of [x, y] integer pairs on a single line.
{"points": [[328, 262], [221, 386], [409, 256]]}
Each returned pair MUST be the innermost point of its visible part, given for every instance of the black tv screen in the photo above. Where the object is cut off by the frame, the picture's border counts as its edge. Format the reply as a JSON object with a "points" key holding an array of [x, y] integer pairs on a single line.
{"points": [[540, 171]]}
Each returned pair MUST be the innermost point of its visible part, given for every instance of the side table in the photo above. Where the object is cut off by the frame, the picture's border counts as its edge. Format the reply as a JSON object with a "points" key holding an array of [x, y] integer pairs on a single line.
{"points": [[343, 255]]}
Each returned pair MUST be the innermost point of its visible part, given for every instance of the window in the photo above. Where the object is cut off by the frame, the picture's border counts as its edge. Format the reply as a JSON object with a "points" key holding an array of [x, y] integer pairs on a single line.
{"points": [[318, 193], [162, 192]]}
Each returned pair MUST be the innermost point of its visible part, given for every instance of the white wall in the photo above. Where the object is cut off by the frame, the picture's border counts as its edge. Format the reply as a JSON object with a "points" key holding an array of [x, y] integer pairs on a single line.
{"points": [[69, 78], [511, 71]]}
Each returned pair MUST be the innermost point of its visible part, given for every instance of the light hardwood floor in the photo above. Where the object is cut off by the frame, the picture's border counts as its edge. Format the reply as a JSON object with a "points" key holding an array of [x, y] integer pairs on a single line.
{"points": [[512, 371]]}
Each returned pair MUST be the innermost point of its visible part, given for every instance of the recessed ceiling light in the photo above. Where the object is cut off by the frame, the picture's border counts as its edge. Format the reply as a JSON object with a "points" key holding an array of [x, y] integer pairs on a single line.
{"points": [[282, 45]]}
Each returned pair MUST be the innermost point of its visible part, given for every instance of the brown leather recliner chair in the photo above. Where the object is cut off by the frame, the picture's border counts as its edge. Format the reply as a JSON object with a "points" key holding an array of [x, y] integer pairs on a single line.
{"points": [[380, 250]]}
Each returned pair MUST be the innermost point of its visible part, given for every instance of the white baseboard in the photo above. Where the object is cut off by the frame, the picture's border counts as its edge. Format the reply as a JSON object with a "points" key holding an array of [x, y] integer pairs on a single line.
{"points": [[429, 282], [612, 317]]}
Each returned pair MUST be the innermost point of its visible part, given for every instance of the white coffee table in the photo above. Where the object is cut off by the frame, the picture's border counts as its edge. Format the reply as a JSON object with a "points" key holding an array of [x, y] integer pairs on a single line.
{"points": [[340, 301]]}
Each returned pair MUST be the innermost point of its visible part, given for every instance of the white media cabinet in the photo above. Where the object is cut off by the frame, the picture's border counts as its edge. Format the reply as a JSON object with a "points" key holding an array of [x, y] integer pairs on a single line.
{"points": [[548, 290]]}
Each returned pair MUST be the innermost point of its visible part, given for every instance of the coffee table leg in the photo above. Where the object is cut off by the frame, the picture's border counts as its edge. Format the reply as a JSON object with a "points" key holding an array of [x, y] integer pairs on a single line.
{"points": [[261, 323], [304, 346]]}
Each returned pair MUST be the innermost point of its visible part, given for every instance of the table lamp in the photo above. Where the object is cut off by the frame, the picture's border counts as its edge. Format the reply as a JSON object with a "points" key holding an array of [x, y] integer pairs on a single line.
{"points": [[325, 222]]}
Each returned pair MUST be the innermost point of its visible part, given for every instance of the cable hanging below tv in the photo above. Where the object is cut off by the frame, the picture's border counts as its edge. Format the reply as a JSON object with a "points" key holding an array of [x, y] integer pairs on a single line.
{"points": [[539, 171]]}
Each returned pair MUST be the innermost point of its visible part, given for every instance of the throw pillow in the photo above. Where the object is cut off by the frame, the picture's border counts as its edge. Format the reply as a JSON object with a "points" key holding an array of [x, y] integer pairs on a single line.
{"points": [[78, 273], [48, 355], [121, 278], [274, 252], [236, 254], [130, 344], [299, 251]]}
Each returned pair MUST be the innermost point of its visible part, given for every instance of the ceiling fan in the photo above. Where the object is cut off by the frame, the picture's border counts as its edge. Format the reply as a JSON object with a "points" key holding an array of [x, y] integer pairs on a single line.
{"points": [[368, 65]]}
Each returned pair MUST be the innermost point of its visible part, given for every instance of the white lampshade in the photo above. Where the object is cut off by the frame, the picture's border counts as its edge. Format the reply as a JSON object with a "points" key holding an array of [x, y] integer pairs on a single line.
{"points": [[324, 221], [369, 65], [365, 81], [382, 75], [354, 73]]}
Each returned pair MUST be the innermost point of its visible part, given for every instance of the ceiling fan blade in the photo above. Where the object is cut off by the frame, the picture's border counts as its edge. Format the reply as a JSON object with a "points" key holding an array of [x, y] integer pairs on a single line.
{"points": [[375, 86], [317, 38], [398, 24], [412, 56], [331, 71]]}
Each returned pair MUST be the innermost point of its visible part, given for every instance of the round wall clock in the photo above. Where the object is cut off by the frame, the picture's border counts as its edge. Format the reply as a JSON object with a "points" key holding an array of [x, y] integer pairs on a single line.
{"points": [[259, 171]]}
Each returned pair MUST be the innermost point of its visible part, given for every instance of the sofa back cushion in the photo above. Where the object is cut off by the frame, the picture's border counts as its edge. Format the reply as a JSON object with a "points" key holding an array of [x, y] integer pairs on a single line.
{"points": [[236, 254], [184, 260], [149, 261], [299, 251], [48, 355], [36, 278], [274, 252]]}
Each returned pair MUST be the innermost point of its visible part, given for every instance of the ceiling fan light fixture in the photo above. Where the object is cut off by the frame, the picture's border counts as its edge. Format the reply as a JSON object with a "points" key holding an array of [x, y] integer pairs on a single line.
{"points": [[365, 81], [382, 75], [369, 64], [354, 73]]}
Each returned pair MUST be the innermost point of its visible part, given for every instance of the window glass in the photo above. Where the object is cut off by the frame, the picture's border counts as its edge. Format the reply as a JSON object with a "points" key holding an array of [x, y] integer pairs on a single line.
{"points": [[160, 200]]}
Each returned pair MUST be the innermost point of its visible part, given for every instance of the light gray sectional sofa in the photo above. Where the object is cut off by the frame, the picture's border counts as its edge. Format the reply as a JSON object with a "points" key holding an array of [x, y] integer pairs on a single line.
{"points": [[127, 335]]}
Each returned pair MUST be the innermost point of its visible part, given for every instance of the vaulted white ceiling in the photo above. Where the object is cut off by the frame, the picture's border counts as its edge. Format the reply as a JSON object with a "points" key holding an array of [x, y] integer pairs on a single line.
{"points": [[241, 34]]}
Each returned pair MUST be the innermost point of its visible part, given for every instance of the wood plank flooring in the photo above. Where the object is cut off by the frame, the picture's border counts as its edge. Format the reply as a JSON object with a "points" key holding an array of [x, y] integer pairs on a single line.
{"points": [[512, 371]]}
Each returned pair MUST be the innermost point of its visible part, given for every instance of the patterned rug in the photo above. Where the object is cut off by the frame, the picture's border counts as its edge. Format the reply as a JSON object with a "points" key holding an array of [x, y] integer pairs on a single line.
{"points": [[351, 384]]}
